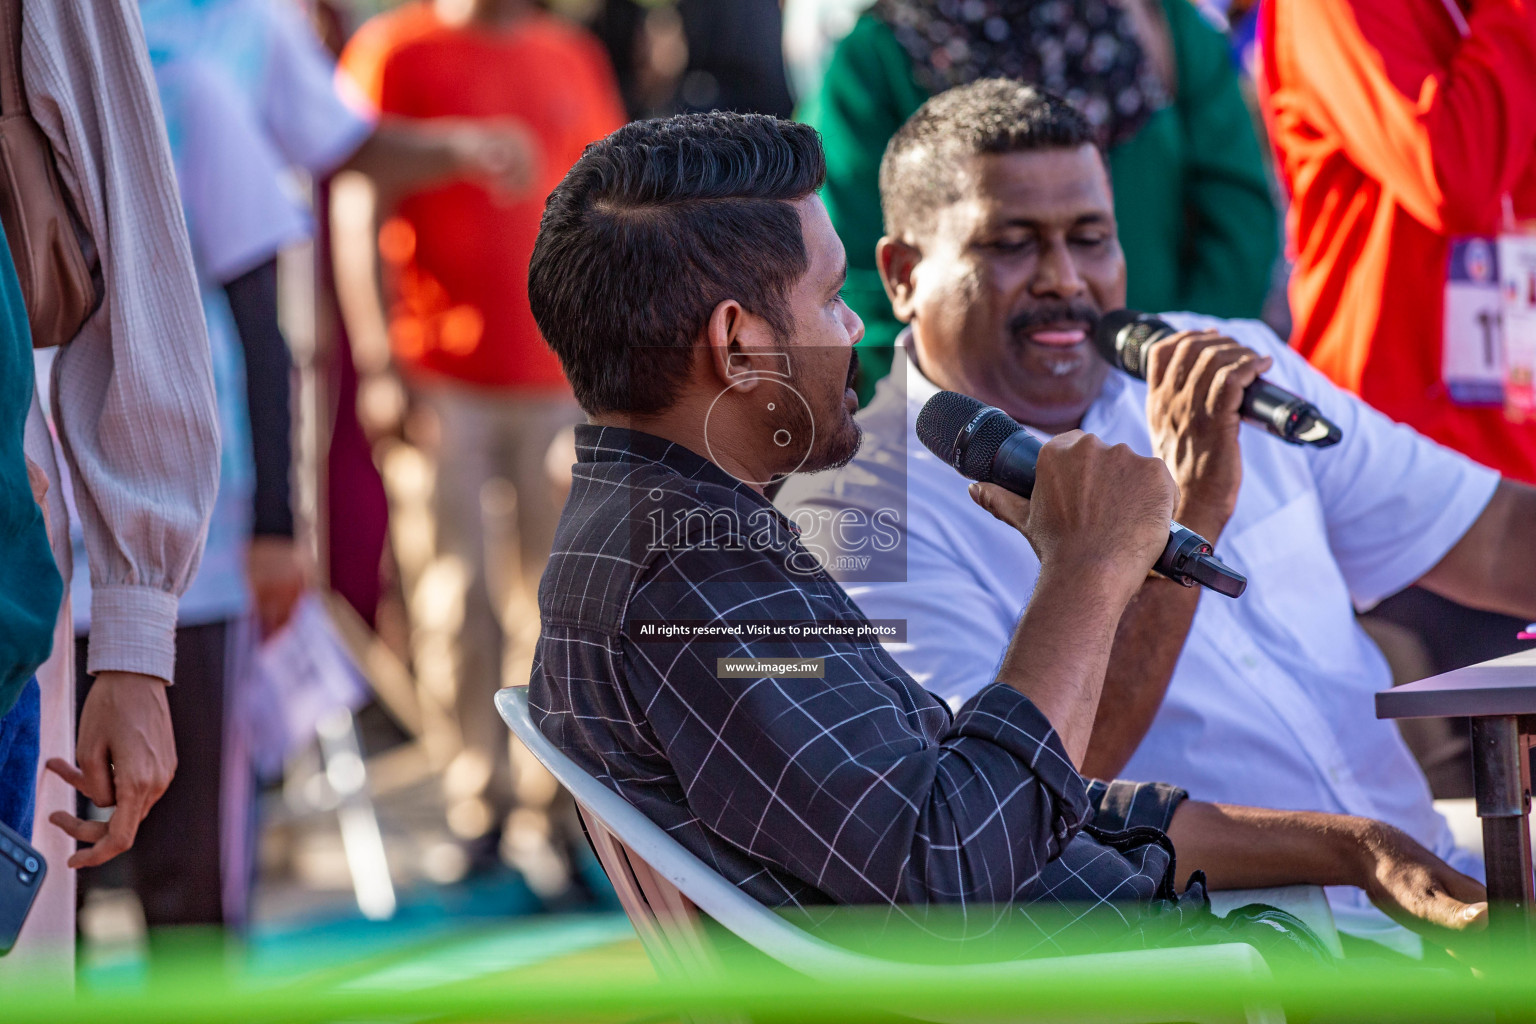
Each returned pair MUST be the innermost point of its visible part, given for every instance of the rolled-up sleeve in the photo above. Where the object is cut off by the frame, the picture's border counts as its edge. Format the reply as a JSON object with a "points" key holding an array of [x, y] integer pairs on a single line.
{"points": [[838, 780], [133, 397], [1119, 805]]}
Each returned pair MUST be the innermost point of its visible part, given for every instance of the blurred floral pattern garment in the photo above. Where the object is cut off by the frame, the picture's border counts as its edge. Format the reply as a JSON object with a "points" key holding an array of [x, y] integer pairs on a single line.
{"points": [[1085, 50]]}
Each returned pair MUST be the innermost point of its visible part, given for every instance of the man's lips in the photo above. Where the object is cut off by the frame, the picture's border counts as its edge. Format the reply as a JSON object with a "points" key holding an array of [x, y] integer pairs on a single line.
{"points": [[1057, 335]]}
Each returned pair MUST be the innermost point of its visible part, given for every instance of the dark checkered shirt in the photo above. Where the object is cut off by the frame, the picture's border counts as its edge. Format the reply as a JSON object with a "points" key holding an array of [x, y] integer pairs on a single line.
{"points": [[856, 788]]}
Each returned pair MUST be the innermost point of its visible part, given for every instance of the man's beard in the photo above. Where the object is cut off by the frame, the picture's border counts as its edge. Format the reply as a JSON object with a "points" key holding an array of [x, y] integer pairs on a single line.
{"points": [[837, 440]]}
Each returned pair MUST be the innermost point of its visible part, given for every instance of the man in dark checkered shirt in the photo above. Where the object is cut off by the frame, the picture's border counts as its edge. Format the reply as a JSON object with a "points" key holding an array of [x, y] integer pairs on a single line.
{"points": [[688, 277]]}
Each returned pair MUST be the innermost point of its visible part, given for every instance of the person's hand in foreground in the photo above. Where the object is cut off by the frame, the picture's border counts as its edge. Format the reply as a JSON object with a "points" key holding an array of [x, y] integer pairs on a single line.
{"points": [[279, 574], [126, 756]]}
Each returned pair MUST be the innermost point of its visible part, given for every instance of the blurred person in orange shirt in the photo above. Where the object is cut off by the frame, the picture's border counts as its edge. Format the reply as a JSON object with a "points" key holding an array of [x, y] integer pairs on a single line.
{"points": [[463, 343], [1405, 132], [1400, 126]]}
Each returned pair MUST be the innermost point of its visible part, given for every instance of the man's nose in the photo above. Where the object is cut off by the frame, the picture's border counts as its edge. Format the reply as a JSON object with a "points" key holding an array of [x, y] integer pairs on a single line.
{"points": [[855, 325], [1056, 273]]}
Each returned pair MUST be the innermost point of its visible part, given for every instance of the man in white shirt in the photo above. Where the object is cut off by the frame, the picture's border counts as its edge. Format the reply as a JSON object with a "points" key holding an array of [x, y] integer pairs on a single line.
{"points": [[1001, 254]]}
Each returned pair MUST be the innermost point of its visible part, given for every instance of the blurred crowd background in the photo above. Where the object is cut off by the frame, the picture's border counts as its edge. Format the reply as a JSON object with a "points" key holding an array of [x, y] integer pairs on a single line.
{"points": [[363, 182]]}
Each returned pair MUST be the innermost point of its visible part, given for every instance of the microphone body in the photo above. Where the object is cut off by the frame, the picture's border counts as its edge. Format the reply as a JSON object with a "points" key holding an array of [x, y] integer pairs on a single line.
{"points": [[986, 444], [1123, 336]]}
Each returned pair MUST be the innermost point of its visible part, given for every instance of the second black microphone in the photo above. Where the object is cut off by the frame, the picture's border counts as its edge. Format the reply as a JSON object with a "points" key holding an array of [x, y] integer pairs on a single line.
{"points": [[1122, 338], [986, 444]]}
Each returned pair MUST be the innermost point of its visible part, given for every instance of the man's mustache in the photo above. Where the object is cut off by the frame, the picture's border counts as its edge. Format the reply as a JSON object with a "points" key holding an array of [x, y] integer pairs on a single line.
{"points": [[1055, 313], [853, 366]]}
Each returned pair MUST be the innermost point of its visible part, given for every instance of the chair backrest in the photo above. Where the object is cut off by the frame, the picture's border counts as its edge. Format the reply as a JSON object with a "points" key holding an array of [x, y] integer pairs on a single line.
{"points": [[663, 886]]}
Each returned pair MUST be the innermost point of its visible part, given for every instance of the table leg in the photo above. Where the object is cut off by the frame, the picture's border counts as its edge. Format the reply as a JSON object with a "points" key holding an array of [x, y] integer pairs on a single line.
{"points": [[1501, 777]]}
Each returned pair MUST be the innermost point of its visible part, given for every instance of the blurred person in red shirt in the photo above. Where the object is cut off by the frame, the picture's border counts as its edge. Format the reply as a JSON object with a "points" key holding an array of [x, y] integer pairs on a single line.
{"points": [[1399, 126], [1405, 131], [462, 340]]}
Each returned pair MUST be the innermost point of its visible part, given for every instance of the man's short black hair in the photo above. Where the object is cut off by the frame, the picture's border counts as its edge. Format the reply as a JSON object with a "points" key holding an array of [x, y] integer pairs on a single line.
{"points": [[920, 172], [654, 227]]}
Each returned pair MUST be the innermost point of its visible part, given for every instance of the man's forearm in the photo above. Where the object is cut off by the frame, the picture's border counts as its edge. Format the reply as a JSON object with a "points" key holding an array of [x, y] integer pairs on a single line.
{"points": [[1251, 847], [1248, 848], [403, 155], [1060, 651], [1146, 650], [354, 257]]}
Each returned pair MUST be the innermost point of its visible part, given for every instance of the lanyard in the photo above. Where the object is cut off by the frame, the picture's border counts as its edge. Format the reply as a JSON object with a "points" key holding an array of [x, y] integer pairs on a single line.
{"points": [[1454, 10], [1459, 19]]}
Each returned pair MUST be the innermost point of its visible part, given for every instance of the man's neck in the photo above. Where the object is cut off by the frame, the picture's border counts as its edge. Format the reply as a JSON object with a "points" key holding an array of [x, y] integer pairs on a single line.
{"points": [[483, 13], [683, 425]]}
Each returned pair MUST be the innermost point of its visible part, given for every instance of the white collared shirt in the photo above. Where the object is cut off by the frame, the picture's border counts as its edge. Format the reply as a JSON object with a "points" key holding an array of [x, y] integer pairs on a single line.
{"points": [[1272, 701]]}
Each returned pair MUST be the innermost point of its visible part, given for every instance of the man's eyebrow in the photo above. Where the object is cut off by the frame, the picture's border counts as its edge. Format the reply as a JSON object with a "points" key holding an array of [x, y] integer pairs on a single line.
{"points": [[842, 276], [1092, 217]]}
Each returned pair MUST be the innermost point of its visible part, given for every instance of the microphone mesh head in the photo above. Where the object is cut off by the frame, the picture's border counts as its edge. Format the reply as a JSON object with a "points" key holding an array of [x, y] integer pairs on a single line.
{"points": [[1123, 335], [989, 435], [1133, 342], [942, 418], [1107, 335]]}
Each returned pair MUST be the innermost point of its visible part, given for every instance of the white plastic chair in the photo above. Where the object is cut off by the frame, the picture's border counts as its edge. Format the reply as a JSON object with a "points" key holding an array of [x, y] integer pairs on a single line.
{"points": [[664, 889]]}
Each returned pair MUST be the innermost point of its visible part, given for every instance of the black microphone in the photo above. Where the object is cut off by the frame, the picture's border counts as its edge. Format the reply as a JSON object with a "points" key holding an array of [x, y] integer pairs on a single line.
{"points": [[986, 444], [1122, 338]]}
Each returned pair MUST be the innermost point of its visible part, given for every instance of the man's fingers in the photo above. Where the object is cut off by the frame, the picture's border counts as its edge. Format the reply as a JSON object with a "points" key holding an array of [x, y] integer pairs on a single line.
{"points": [[111, 837], [1187, 349], [1208, 362], [1156, 360], [1162, 357], [1002, 503], [79, 829], [96, 766], [95, 856], [1463, 887], [1230, 381], [68, 772], [124, 826], [95, 788], [1446, 911]]}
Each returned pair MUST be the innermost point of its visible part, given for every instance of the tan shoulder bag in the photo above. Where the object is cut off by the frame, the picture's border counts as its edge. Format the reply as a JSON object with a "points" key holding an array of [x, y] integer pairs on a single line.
{"points": [[40, 224]]}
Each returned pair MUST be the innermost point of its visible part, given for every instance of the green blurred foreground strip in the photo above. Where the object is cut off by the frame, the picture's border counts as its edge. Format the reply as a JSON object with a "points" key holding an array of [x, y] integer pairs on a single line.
{"points": [[1363, 991]]}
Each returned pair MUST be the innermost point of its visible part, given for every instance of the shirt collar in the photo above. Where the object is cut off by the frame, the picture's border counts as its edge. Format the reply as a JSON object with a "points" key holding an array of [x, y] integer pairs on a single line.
{"points": [[596, 443]]}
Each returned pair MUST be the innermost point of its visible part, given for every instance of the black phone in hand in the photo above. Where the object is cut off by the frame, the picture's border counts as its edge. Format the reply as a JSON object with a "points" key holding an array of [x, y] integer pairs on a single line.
{"points": [[21, 874]]}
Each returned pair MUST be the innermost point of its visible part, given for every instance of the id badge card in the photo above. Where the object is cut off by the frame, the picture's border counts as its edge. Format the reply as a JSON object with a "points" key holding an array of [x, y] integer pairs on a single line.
{"points": [[1472, 360], [1517, 271]]}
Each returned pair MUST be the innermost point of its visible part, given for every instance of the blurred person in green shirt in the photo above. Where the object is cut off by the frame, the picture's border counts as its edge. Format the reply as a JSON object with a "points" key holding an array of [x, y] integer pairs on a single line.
{"points": [[1197, 220], [30, 585]]}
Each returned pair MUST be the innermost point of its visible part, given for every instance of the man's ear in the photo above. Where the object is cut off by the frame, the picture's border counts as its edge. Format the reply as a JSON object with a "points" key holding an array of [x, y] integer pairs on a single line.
{"points": [[741, 347], [897, 261]]}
